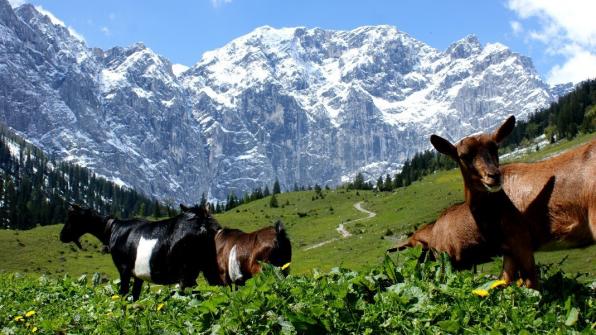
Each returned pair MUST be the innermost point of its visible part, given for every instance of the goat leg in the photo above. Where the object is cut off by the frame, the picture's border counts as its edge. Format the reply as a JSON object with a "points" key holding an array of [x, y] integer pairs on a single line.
{"points": [[136, 289], [509, 268], [124, 283], [529, 273]]}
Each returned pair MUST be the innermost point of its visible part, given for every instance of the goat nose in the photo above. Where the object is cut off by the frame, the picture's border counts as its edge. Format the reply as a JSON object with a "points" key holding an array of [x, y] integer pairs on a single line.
{"points": [[495, 177]]}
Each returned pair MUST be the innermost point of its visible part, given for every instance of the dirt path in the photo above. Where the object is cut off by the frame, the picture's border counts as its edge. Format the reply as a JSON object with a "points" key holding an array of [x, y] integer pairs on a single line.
{"points": [[342, 230], [358, 207]]}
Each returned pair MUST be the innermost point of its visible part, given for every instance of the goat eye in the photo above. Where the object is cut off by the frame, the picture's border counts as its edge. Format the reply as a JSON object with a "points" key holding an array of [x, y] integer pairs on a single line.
{"points": [[493, 148]]}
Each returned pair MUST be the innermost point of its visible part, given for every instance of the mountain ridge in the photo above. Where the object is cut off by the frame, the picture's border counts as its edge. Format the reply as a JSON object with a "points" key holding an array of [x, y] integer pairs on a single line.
{"points": [[305, 105]]}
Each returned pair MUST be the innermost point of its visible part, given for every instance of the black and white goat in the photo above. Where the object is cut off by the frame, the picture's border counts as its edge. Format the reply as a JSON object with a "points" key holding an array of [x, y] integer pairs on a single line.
{"points": [[170, 251]]}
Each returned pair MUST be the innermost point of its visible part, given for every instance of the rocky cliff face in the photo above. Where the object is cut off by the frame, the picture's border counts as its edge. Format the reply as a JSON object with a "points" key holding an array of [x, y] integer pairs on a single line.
{"points": [[120, 112], [304, 105], [313, 106]]}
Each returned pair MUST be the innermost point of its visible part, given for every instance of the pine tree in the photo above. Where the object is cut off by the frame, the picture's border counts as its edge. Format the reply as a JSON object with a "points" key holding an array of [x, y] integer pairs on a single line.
{"points": [[156, 209], [276, 187], [388, 185], [203, 200], [273, 201], [359, 181]]}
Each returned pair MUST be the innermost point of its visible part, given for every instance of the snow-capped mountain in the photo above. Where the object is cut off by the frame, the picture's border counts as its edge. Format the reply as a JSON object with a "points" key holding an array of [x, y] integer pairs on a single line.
{"points": [[303, 105], [311, 105], [120, 112]]}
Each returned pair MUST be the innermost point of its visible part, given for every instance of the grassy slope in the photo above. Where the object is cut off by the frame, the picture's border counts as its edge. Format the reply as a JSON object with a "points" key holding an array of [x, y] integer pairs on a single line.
{"points": [[40, 251]]}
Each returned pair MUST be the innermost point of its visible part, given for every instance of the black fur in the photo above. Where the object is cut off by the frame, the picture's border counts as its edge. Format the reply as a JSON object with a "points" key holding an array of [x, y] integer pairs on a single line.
{"points": [[185, 244]]}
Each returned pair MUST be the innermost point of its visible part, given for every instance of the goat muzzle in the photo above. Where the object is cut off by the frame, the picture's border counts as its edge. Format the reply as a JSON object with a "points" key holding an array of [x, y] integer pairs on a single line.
{"points": [[493, 182]]}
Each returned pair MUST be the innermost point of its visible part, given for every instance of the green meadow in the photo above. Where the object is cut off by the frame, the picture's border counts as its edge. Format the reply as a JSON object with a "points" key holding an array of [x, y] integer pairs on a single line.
{"points": [[310, 221], [338, 285]]}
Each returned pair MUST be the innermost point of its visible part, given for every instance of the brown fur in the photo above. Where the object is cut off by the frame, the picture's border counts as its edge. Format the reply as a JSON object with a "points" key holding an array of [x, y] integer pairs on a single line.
{"points": [[456, 233], [523, 217], [569, 223], [269, 245], [571, 209]]}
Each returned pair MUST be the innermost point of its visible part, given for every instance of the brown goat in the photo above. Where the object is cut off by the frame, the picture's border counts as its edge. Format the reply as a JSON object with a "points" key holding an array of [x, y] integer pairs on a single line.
{"points": [[239, 253], [456, 233], [570, 216], [571, 211]]}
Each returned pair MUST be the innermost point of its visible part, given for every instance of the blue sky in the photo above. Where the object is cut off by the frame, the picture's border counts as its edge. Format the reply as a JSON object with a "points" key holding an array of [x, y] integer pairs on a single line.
{"points": [[550, 31]]}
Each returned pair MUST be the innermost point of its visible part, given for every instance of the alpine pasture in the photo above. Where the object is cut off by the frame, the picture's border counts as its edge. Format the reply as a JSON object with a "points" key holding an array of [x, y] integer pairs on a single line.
{"points": [[346, 285]]}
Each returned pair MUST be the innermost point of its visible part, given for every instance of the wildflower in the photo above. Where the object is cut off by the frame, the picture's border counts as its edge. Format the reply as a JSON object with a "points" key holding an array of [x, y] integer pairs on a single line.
{"points": [[115, 297], [498, 283], [29, 314], [18, 318], [34, 329], [480, 292], [160, 306], [285, 266]]}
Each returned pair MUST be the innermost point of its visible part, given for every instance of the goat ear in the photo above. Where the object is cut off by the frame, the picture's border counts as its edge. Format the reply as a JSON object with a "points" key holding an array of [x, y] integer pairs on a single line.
{"points": [[401, 245], [279, 227], [73, 207], [443, 146], [504, 130]]}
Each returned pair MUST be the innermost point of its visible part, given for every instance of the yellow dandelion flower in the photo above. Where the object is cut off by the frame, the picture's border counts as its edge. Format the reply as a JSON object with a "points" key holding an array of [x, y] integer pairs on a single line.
{"points": [[480, 292], [34, 329], [29, 314], [115, 297], [285, 266], [498, 283], [160, 306], [18, 318]]}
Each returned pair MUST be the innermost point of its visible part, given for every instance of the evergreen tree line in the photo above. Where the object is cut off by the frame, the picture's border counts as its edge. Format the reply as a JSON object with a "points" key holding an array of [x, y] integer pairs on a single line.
{"points": [[422, 164], [233, 201], [36, 190], [572, 114]]}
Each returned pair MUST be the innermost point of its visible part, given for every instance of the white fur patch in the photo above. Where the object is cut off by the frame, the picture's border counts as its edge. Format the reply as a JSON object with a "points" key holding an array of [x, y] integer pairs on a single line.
{"points": [[142, 268], [234, 266], [493, 189]]}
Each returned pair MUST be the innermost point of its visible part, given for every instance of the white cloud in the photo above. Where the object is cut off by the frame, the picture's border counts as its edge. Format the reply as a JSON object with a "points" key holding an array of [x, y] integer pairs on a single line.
{"points": [[217, 3], [106, 31], [516, 27], [567, 28], [58, 22], [16, 3], [580, 66]]}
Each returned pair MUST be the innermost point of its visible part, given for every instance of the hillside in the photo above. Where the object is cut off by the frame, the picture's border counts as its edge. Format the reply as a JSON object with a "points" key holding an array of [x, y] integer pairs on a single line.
{"points": [[39, 251], [36, 189]]}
